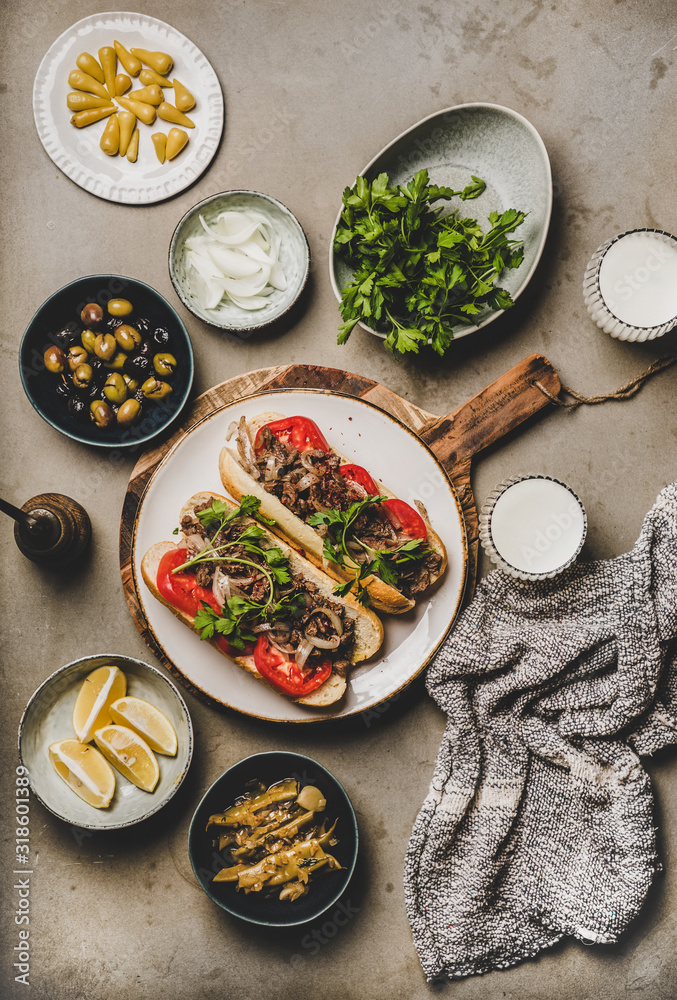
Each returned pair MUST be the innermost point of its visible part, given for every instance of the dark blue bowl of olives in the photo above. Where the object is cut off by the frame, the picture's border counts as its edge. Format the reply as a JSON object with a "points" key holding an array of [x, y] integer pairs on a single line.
{"points": [[107, 361]]}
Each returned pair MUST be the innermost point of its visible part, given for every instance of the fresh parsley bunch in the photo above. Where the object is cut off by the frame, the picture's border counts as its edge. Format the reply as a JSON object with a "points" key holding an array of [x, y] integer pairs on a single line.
{"points": [[418, 274], [384, 563]]}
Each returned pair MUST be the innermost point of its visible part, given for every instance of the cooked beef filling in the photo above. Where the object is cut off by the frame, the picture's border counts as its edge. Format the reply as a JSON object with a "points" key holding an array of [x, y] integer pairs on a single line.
{"points": [[247, 582], [311, 481]]}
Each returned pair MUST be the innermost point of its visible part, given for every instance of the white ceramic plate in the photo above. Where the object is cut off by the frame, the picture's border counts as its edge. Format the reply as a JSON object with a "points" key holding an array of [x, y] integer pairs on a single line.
{"points": [[76, 151], [49, 717], [391, 453], [492, 142]]}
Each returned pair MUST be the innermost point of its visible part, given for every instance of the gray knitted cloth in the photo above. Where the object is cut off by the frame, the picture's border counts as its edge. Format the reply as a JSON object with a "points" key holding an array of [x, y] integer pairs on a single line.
{"points": [[538, 822]]}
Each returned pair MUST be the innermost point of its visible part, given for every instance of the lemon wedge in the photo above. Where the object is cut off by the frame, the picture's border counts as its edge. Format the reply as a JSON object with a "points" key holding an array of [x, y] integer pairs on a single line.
{"points": [[92, 706], [148, 721], [84, 770], [129, 754]]}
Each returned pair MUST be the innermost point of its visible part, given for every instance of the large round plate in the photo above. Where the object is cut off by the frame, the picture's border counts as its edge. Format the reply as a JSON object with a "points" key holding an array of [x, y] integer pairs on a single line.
{"points": [[369, 437], [76, 151], [492, 142]]}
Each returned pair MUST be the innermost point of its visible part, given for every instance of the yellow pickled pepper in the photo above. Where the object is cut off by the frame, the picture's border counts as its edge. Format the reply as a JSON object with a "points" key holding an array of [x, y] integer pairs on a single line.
{"points": [[109, 65], [90, 115], [148, 76], [160, 143], [133, 147], [149, 95], [176, 140], [169, 113], [183, 99], [88, 64], [83, 81], [122, 84], [144, 112], [159, 61], [131, 64], [127, 125], [110, 140], [83, 102]]}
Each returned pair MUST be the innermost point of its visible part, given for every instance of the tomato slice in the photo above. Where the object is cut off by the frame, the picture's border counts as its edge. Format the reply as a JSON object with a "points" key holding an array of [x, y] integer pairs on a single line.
{"points": [[183, 592], [399, 513], [405, 518], [181, 589], [356, 474], [285, 674], [301, 433]]}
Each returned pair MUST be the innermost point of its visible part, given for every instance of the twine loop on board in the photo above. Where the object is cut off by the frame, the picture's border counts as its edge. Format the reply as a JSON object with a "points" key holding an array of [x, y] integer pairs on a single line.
{"points": [[626, 391]]}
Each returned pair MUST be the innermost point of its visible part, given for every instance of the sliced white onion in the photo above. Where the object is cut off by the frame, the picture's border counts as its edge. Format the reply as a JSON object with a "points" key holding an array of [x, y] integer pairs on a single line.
{"points": [[245, 448], [236, 261], [273, 466], [307, 462], [323, 643], [221, 588], [332, 616], [232, 429], [284, 646], [306, 481], [195, 543], [250, 304], [303, 652]]}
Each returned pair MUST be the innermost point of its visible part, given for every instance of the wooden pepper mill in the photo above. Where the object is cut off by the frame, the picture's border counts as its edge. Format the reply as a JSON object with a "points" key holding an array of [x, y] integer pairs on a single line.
{"points": [[50, 528]]}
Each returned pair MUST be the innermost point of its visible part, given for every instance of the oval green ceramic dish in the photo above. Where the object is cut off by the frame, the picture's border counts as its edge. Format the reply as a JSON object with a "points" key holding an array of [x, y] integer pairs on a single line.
{"points": [[487, 140]]}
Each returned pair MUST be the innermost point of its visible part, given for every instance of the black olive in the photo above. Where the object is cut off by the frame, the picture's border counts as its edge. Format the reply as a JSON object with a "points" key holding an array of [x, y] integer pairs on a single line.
{"points": [[161, 336], [78, 408], [137, 364], [139, 396], [63, 390], [96, 364], [143, 326], [67, 335], [113, 323], [91, 391], [147, 349]]}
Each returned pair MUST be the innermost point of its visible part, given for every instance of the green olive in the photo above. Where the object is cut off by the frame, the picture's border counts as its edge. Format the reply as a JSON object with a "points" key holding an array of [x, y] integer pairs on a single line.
{"points": [[76, 356], [114, 389], [164, 364], [88, 339], [101, 413], [129, 412], [82, 376], [105, 346], [131, 383], [154, 389], [127, 337], [117, 363], [55, 360], [120, 307]]}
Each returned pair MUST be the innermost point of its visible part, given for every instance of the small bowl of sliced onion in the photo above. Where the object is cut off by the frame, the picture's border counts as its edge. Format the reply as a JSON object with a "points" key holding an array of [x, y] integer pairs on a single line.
{"points": [[239, 260]]}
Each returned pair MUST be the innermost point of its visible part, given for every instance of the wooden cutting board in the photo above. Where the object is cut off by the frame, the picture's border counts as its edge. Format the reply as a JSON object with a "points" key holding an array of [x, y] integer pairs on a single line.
{"points": [[455, 439]]}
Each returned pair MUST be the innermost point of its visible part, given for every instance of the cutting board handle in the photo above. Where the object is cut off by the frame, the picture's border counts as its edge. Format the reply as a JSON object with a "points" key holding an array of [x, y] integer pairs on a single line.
{"points": [[492, 413]]}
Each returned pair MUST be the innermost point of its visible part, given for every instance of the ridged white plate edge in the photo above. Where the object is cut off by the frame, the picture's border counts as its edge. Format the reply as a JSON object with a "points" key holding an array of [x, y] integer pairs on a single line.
{"points": [[143, 190]]}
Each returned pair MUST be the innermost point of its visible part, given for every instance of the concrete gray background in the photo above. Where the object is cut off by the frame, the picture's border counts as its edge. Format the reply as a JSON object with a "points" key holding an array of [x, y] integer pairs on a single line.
{"points": [[312, 91]]}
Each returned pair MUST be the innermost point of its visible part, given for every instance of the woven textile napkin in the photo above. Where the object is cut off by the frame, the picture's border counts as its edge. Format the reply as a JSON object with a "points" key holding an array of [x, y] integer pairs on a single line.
{"points": [[538, 822]]}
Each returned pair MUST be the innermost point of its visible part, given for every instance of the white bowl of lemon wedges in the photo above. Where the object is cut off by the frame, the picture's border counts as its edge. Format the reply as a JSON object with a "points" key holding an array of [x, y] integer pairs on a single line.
{"points": [[105, 742]]}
